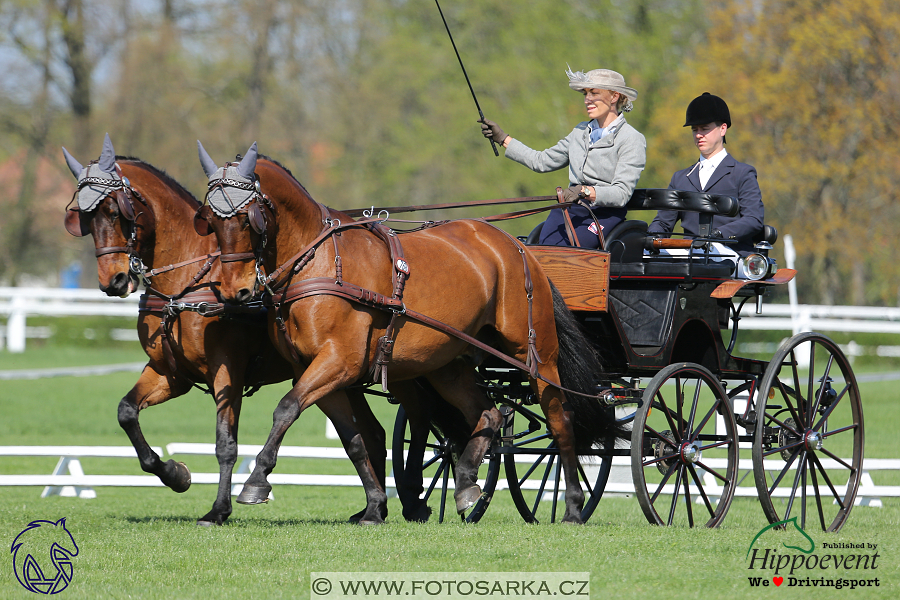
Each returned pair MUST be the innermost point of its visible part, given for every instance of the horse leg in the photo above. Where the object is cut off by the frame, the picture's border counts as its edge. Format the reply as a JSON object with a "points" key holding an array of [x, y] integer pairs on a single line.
{"points": [[559, 420], [456, 383], [339, 409], [228, 388], [153, 388], [324, 376], [373, 437]]}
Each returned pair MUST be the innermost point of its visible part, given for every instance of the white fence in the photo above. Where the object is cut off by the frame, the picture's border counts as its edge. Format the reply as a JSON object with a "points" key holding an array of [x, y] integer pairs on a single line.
{"points": [[20, 303], [69, 478]]}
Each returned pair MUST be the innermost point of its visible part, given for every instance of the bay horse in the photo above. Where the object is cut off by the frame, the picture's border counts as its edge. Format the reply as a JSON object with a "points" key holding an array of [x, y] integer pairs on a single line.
{"points": [[352, 303], [140, 218]]}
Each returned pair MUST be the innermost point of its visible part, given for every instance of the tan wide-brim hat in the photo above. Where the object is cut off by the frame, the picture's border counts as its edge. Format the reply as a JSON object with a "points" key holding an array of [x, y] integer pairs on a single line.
{"points": [[602, 79]]}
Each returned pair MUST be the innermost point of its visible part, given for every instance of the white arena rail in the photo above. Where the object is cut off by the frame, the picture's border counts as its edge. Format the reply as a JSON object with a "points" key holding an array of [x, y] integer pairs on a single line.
{"points": [[69, 479]]}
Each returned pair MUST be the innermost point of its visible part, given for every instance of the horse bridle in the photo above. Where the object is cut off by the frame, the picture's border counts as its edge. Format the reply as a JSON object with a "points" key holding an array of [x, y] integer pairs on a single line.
{"points": [[124, 194], [257, 218]]}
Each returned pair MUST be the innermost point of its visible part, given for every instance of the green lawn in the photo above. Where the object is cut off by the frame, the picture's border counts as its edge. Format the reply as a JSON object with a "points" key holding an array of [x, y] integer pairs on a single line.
{"points": [[143, 543]]}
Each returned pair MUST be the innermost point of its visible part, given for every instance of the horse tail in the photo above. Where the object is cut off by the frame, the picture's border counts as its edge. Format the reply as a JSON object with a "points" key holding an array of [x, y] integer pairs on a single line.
{"points": [[579, 369]]}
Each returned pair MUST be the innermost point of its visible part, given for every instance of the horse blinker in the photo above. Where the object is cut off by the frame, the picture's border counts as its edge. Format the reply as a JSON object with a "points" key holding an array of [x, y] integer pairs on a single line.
{"points": [[77, 223]]}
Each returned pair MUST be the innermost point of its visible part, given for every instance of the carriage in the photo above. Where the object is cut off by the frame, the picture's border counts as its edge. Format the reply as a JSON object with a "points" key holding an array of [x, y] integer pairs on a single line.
{"points": [[652, 309], [708, 422]]}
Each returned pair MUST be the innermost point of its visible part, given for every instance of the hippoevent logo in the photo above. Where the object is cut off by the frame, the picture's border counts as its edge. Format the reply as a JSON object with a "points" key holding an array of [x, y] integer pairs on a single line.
{"points": [[42, 556], [805, 567]]}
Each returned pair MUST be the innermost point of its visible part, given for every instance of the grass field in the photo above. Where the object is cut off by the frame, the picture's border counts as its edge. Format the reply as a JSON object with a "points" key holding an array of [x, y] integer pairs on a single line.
{"points": [[143, 543]]}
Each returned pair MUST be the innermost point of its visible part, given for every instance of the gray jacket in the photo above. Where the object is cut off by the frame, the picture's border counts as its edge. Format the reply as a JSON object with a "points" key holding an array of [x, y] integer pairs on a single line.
{"points": [[612, 165]]}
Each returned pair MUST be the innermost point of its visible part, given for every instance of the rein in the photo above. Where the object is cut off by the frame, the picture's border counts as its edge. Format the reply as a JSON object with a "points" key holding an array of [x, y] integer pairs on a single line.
{"points": [[290, 292]]}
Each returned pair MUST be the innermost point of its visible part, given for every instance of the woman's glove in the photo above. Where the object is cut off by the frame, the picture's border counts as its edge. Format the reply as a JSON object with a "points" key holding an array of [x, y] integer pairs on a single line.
{"points": [[492, 131], [572, 194]]}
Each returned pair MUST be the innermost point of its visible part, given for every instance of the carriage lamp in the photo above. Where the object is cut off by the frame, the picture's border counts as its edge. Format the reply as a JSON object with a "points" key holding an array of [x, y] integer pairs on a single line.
{"points": [[754, 267]]}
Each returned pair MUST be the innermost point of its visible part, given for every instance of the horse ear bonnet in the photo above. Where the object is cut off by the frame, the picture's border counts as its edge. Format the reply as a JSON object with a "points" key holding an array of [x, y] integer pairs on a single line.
{"points": [[90, 195], [226, 200]]}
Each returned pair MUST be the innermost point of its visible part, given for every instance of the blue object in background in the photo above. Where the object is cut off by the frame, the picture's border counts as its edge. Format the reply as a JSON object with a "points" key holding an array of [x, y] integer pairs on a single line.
{"points": [[70, 277]]}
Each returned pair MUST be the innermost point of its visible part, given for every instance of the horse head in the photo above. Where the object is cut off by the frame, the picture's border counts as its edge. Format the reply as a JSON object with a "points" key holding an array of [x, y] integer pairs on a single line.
{"points": [[104, 206], [40, 547], [239, 215]]}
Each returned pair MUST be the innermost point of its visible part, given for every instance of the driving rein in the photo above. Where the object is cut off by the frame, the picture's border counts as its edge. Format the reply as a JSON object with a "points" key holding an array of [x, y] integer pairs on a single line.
{"points": [[281, 292]]}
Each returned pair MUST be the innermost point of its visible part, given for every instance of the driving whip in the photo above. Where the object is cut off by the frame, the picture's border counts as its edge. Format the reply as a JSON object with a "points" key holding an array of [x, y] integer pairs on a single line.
{"points": [[480, 114]]}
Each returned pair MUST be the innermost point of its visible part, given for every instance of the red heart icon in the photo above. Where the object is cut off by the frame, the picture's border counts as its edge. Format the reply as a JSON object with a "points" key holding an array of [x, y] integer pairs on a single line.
{"points": [[778, 580]]}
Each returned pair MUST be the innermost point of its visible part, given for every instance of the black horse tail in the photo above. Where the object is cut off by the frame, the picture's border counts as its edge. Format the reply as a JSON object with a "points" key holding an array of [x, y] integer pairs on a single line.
{"points": [[580, 370]]}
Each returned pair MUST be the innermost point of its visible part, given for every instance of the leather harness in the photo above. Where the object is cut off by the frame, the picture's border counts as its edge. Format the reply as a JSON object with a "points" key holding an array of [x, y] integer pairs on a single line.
{"points": [[282, 292]]}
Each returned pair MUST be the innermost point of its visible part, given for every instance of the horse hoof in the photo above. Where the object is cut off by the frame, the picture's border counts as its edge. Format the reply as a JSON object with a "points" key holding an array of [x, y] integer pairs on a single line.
{"points": [[359, 517], [203, 523], [374, 521], [356, 518], [211, 519], [421, 514], [572, 521], [466, 499], [177, 476], [256, 494]]}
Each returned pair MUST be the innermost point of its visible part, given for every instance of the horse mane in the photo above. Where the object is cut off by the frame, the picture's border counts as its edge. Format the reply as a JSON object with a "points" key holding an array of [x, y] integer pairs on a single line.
{"points": [[286, 170], [165, 177]]}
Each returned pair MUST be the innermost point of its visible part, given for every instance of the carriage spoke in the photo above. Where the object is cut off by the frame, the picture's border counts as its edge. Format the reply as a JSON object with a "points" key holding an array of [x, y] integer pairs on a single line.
{"points": [[822, 387], [687, 498], [787, 466], [690, 423], [667, 412], [819, 497], [540, 494], [534, 467], [783, 424], [831, 408], [841, 461], [811, 382], [826, 478], [679, 404], [803, 491], [780, 448], [787, 394], [702, 424], [555, 494], [701, 491], [801, 464], [674, 504], [801, 413], [662, 483], [444, 492], [432, 460], [530, 441], [668, 440], [713, 472]]}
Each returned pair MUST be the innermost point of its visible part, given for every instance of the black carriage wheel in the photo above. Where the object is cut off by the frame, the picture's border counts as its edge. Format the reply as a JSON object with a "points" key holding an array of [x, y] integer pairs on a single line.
{"points": [[808, 443], [680, 463], [531, 461], [437, 468]]}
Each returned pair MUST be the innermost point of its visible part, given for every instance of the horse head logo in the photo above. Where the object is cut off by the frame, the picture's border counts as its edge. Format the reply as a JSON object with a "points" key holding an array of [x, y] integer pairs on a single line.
{"points": [[40, 545], [806, 546]]}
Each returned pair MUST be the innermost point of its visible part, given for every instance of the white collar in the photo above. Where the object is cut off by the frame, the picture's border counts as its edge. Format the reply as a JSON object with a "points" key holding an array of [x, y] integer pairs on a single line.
{"points": [[713, 161]]}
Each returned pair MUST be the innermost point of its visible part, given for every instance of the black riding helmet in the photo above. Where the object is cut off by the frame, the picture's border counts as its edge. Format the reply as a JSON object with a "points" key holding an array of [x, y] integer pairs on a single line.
{"points": [[707, 108]]}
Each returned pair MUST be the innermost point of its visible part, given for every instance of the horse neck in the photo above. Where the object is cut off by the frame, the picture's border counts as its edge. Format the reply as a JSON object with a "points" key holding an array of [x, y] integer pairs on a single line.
{"points": [[174, 237], [299, 217]]}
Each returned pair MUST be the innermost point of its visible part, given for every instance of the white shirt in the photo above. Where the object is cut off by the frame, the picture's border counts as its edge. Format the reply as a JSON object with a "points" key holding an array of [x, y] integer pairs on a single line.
{"points": [[708, 165]]}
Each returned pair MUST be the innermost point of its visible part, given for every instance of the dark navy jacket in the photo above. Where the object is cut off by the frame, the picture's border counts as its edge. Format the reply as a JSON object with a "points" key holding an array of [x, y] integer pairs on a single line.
{"points": [[731, 178]]}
